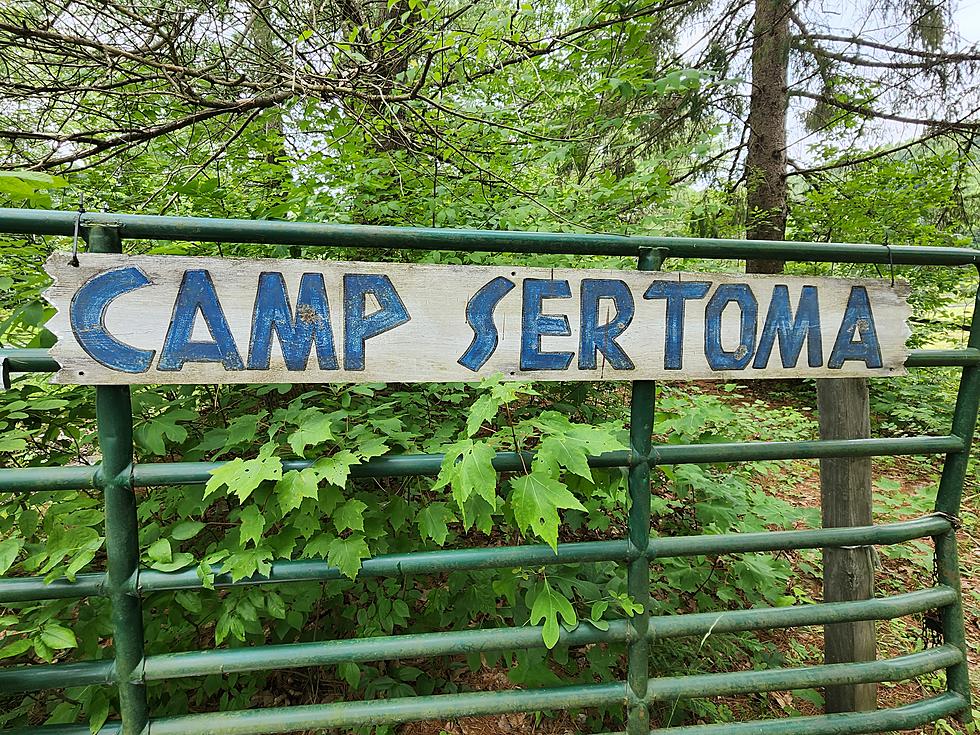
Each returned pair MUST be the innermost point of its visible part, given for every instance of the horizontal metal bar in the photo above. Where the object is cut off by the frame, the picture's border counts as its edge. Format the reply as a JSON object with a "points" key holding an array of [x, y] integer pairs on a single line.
{"points": [[38, 361], [22, 589], [36, 479], [194, 473], [405, 465], [763, 618], [35, 677], [30, 360], [28, 589], [943, 358], [666, 454], [382, 648], [419, 562], [27, 360], [46, 222], [196, 663], [906, 717], [389, 711], [850, 723], [730, 543], [112, 727], [43, 479], [260, 658], [804, 677]]}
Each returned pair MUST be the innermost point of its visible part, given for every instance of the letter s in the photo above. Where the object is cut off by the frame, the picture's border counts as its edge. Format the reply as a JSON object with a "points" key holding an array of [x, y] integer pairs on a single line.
{"points": [[87, 316]]}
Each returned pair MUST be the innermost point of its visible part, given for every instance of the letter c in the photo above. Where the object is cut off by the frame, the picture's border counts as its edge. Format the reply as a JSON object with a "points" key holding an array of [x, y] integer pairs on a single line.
{"points": [[87, 317]]}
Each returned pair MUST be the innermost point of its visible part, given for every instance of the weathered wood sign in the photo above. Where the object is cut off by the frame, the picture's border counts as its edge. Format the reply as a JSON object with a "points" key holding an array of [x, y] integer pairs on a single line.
{"points": [[168, 319]]}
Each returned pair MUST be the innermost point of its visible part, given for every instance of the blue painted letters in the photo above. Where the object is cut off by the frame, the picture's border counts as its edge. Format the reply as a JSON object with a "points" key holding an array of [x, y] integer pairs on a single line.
{"points": [[676, 293], [479, 315], [359, 326], [857, 318], [297, 335], [719, 358], [602, 338], [197, 294], [534, 325], [791, 331], [87, 316]]}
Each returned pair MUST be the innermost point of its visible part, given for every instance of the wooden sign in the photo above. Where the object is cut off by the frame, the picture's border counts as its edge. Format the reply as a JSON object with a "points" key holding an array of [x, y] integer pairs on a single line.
{"points": [[169, 319]]}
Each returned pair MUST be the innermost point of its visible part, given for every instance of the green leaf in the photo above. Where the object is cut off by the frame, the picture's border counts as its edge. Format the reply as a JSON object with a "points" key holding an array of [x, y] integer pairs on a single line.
{"points": [[315, 428], [57, 636], [548, 606], [350, 516], [318, 546], [85, 553], [536, 499], [243, 429], [476, 473], [335, 469], [349, 672], [180, 560], [242, 476], [190, 601], [98, 711], [27, 521], [9, 549], [468, 468], [347, 553], [275, 605], [16, 648], [294, 486], [432, 520], [160, 551], [186, 530], [252, 524], [599, 608], [483, 409], [373, 446], [569, 445]]}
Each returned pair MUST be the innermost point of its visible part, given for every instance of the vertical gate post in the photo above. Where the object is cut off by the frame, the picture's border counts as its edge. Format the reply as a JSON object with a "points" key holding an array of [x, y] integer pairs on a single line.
{"points": [[948, 501], [114, 413], [642, 405]]}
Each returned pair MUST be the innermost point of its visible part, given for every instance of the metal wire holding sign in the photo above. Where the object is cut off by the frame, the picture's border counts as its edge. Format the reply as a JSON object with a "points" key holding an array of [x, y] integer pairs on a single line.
{"points": [[73, 262]]}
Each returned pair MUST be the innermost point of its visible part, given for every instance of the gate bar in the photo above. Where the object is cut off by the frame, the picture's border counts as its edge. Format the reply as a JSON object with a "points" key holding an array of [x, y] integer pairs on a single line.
{"points": [[948, 501], [114, 415], [309, 234], [895, 669], [36, 360], [643, 406], [41, 479], [321, 653], [906, 717], [21, 589]]}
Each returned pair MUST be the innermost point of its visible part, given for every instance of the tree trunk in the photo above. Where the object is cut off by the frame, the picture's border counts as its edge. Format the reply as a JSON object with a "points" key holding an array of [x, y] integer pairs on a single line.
{"points": [[765, 162], [845, 483], [845, 496]]}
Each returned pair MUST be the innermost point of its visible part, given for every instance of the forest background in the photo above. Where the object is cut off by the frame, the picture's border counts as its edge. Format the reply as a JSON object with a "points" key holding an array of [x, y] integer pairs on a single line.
{"points": [[756, 118]]}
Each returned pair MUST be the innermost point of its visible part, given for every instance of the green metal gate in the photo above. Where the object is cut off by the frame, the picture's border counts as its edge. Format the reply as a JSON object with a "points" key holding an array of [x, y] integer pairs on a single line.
{"points": [[124, 582]]}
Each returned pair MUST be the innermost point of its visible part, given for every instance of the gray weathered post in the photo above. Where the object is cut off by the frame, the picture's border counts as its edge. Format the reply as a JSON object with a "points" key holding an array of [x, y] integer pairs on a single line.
{"points": [[845, 497]]}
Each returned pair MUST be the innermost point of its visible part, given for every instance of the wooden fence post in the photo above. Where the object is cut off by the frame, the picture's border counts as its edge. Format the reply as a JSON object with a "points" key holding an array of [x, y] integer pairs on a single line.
{"points": [[845, 493]]}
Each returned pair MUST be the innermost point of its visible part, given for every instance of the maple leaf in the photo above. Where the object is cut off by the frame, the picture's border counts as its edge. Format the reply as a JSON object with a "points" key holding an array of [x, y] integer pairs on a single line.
{"points": [[294, 486], [536, 499], [347, 553]]}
